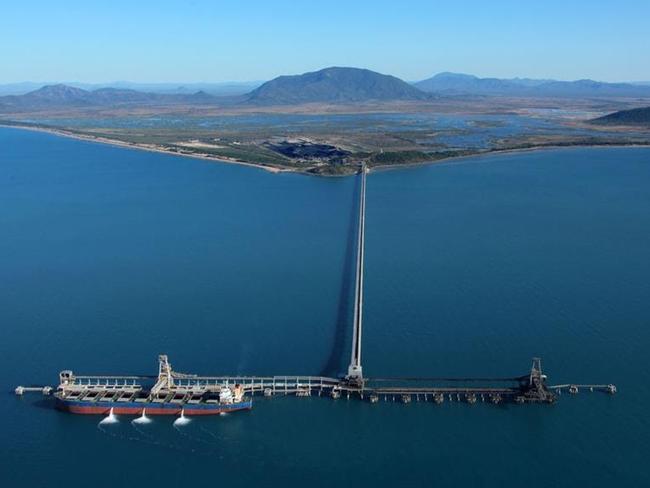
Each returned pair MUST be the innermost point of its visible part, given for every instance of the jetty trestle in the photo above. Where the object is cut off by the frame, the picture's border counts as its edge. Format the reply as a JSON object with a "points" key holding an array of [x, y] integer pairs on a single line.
{"points": [[355, 371], [181, 388]]}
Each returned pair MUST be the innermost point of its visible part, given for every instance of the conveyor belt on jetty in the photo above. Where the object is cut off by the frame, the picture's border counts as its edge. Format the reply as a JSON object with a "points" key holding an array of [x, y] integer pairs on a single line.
{"points": [[182, 388]]}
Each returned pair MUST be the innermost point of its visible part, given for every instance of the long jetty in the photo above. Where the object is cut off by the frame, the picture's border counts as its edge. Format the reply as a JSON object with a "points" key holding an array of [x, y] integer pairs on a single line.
{"points": [[529, 388], [355, 371]]}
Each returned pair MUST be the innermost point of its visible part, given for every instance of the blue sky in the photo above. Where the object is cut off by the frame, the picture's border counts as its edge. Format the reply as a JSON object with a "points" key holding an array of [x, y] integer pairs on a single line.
{"points": [[192, 41]]}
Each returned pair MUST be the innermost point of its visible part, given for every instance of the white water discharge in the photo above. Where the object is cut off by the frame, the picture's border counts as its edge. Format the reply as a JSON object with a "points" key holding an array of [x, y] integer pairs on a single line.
{"points": [[142, 419], [182, 420], [109, 419]]}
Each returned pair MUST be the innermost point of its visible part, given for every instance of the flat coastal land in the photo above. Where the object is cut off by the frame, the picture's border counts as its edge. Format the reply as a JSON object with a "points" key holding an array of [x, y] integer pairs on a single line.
{"points": [[342, 170], [143, 147], [333, 140]]}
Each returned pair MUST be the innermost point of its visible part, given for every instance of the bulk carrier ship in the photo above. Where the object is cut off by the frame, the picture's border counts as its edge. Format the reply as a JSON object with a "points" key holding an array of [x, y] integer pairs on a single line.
{"points": [[172, 394]]}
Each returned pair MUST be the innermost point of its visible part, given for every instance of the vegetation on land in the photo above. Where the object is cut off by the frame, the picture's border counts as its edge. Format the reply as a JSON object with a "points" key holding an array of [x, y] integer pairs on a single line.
{"points": [[633, 117], [323, 142]]}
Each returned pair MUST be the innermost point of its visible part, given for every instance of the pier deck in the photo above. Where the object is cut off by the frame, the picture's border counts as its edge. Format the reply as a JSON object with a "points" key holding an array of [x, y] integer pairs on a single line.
{"points": [[372, 390]]}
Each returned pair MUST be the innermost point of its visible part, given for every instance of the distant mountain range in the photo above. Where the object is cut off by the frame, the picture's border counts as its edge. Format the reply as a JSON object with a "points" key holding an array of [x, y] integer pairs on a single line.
{"points": [[64, 96], [224, 88], [635, 116], [329, 86], [334, 85], [462, 84]]}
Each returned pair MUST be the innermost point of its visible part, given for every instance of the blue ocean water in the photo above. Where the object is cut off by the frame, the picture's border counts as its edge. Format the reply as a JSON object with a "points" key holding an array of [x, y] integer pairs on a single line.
{"points": [[111, 256]]}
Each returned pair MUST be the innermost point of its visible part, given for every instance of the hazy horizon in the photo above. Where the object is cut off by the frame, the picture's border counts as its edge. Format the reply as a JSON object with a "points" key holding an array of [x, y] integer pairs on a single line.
{"points": [[163, 42], [179, 84]]}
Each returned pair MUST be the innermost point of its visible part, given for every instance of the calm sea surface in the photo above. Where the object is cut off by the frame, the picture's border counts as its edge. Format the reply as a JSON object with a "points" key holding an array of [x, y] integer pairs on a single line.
{"points": [[110, 256]]}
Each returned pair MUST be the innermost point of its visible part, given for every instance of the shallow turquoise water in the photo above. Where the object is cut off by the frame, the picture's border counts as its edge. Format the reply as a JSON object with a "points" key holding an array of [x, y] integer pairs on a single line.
{"points": [[110, 256]]}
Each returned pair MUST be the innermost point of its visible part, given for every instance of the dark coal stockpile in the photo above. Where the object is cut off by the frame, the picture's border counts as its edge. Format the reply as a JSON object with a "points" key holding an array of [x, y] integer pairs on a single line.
{"points": [[308, 150]]}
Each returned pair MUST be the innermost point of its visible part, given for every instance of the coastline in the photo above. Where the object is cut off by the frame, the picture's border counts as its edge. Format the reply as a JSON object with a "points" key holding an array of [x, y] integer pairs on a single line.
{"points": [[276, 170], [144, 147], [496, 152]]}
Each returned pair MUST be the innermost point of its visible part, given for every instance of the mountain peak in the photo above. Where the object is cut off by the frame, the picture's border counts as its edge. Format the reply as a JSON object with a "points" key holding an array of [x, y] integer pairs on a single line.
{"points": [[58, 94], [59, 90], [334, 85], [453, 76]]}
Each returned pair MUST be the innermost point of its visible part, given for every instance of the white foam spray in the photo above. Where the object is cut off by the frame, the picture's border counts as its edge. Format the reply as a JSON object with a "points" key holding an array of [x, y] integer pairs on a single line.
{"points": [[109, 419], [182, 420], [142, 419]]}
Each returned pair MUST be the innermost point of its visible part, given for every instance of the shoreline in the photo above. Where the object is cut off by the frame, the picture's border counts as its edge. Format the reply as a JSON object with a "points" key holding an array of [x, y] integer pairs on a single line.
{"points": [[496, 152], [276, 170], [144, 147]]}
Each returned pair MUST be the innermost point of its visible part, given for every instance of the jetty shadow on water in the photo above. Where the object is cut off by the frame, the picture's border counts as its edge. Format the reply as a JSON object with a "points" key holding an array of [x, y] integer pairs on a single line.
{"points": [[336, 364], [46, 403]]}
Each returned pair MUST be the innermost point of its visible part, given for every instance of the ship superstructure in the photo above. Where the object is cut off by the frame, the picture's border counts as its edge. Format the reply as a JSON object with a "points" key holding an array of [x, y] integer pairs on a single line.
{"points": [[172, 393]]}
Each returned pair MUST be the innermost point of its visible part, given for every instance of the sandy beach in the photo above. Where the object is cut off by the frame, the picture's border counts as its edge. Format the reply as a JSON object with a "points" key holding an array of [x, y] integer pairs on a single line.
{"points": [[274, 169], [146, 147]]}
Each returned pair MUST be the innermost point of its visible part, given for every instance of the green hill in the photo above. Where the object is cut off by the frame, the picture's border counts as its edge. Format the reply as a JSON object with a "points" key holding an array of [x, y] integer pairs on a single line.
{"points": [[635, 116], [334, 85]]}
